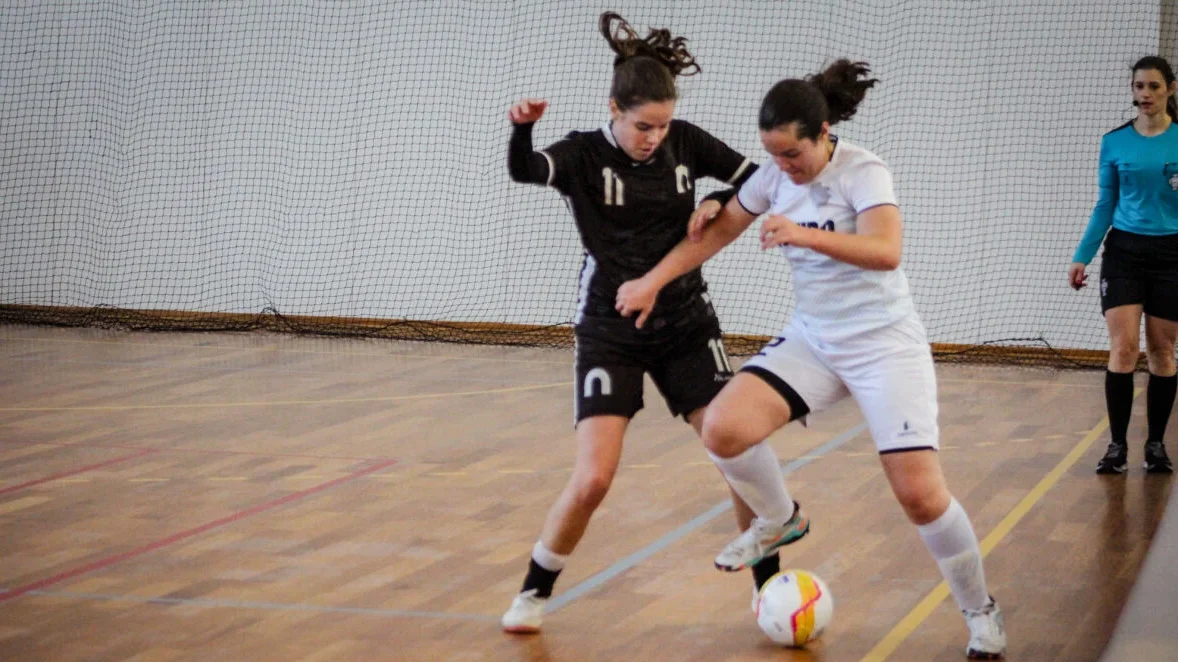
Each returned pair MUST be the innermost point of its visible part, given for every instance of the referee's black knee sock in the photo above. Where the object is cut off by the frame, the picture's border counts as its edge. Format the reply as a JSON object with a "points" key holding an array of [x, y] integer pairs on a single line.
{"points": [[1118, 396], [1159, 402]]}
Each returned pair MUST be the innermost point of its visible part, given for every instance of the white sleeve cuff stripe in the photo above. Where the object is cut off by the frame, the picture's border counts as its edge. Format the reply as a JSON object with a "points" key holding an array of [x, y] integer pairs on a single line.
{"points": [[739, 171], [551, 168]]}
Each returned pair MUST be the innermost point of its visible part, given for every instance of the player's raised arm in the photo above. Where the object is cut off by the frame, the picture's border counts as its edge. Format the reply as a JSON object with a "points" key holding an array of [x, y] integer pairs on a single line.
{"points": [[524, 164]]}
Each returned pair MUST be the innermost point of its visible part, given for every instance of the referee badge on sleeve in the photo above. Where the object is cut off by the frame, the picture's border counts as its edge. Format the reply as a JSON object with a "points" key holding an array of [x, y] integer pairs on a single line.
{"points": [[1103, 287]]}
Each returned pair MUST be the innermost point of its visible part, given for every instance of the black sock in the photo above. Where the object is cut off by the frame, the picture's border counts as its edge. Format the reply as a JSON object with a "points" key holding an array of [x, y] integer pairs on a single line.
{"points": [[765, 569], [1118, 397], [1159, 402], [540, 578]]}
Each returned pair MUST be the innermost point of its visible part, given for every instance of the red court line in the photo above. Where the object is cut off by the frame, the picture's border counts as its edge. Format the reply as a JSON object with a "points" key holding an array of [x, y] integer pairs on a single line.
{"points": [[184, 535], [207, 451], [74, 472]]}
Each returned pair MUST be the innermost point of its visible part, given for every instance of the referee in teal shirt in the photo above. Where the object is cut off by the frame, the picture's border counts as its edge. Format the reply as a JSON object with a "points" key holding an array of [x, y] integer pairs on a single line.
{"points": [[1137, 218]]}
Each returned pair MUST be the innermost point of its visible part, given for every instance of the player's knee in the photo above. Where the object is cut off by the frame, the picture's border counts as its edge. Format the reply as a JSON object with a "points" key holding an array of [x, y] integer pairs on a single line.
{"points": [[921, 503], [721, 434], [1161, 363], [590, 488], [1123, 356], [1161, 360]]}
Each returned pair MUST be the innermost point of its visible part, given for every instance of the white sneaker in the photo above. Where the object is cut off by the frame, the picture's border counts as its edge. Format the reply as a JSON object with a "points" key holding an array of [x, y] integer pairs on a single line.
{"points": [[525, 613], [761, 539], [987, 633]]}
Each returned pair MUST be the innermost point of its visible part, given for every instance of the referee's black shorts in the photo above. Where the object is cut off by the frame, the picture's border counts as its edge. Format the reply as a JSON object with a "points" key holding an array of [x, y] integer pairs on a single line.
{"points": [[1140, 269], [683, 353]]}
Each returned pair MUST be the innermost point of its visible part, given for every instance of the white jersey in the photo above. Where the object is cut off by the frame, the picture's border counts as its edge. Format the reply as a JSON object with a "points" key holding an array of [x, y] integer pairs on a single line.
{"points": [[835, 300]]}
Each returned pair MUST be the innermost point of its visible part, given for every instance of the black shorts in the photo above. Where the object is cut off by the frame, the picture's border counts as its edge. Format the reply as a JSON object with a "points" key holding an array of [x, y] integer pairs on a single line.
{"points": [[684, 355], [1140, 269]]}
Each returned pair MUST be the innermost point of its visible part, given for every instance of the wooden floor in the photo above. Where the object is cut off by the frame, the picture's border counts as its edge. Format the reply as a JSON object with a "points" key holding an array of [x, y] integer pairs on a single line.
{"points": [[264, 497]]}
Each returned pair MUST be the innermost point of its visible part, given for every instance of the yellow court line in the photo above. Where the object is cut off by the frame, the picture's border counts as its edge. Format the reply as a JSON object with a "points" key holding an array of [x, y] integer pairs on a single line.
{"points": [[907, 625], [283, 403], [443, 357]]}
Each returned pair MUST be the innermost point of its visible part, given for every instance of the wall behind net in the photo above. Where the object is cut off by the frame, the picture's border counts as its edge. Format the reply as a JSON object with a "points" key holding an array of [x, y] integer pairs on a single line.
{"points": [[340, 167]]}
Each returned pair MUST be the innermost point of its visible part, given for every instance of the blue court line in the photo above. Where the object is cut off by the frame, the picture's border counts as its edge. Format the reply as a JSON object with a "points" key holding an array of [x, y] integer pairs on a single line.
{"points": [[593, 583], [274, 606]]}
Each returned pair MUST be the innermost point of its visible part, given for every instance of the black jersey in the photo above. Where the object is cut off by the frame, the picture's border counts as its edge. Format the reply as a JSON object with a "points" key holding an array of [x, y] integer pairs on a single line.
{"points": [[629, 214]]}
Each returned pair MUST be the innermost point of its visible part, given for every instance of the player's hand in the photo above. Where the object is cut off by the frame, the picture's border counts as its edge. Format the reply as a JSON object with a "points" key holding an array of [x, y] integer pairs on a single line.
{"points": [[703, 214], [637, 296], [777, 230], [1076, 276], [526, 111]]}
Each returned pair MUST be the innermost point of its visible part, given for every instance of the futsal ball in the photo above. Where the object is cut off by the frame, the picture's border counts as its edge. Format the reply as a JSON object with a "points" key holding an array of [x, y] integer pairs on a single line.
{"points": [[794, 607]]}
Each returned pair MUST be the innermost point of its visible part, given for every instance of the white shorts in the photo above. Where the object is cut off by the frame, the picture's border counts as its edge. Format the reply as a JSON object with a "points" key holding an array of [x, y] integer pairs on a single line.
{"points": [[889, 372]]}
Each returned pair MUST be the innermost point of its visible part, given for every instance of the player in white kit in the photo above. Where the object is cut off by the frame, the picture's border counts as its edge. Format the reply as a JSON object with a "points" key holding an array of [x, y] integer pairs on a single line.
{"points": [[832, 211]]}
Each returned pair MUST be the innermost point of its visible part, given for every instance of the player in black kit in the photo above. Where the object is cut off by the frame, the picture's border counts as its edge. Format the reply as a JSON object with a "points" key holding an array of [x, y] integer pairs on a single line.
{"points": [[631, 188]]}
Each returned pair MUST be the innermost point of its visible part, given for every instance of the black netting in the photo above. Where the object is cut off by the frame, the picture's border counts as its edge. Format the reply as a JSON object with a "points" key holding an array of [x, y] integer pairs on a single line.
{"points": [[332, 167]]}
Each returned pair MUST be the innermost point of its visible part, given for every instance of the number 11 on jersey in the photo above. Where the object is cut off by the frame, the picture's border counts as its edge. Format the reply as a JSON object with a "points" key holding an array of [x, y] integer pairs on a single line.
{"points": [[720, 355]]}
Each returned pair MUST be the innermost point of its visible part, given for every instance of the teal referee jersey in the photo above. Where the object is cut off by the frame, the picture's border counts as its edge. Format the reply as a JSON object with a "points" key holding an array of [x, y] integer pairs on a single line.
{"points": [[1138, 187]]}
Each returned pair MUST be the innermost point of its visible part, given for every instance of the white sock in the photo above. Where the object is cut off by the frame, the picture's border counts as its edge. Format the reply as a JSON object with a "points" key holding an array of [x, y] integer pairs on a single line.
{"points": [[756, 476], [548, 559], [954, 545]]}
